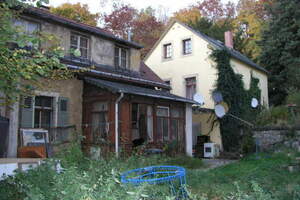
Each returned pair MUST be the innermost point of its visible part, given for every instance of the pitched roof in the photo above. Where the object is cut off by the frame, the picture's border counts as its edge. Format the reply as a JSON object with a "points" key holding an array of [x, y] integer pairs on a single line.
{"points": [[216, 44], [116, 87], [145, 77], [48, 16], [149, 74]]}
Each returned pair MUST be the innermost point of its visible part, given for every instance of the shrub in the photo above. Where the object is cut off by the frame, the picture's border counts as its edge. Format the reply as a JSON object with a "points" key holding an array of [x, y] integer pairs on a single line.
{"points": [[273, 116], [257, 193]]}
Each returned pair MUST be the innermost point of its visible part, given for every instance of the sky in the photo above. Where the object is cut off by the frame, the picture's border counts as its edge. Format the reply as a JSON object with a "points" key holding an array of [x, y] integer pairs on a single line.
{"points": [[169, 6]]}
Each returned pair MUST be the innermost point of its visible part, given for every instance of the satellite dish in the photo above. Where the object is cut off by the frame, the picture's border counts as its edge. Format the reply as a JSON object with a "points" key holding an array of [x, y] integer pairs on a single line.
{"points": [[220, 111], [199, 98], [254, 103], [217, 96]]}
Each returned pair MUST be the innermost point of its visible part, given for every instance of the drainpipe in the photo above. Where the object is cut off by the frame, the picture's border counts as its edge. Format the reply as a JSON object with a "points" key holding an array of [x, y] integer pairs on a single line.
{"points": [[117, 123]]}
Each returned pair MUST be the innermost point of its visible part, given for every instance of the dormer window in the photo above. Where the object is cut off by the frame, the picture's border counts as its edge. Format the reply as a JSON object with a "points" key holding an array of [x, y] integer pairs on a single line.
{"points": [[121, 57], [168, 51], [27, 27], [80, 43]]}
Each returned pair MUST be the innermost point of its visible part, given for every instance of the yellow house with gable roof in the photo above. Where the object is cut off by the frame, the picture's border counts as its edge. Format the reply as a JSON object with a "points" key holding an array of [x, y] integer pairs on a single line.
{"points": [[181, 57]]}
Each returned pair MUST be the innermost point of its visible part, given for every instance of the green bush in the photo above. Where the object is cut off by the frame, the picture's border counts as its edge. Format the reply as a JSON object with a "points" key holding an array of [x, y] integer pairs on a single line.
{"points": [[293, 98], [274, 116]]}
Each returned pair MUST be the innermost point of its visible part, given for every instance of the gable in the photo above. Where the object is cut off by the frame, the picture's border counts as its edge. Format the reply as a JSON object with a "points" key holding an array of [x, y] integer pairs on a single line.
{"points": [[213, 42]]}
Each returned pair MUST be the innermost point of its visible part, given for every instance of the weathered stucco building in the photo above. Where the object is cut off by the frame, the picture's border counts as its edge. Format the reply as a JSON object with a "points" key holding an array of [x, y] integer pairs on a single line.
{"points": [[117, 104]]}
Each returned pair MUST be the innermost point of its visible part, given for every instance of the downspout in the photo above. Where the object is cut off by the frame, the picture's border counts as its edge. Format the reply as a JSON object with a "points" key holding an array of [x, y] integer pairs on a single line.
{"points": [[117, 123]]}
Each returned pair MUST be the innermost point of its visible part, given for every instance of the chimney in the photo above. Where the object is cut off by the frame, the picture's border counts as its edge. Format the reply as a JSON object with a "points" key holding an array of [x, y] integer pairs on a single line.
{"points": [[228, 39], [129, 34]]}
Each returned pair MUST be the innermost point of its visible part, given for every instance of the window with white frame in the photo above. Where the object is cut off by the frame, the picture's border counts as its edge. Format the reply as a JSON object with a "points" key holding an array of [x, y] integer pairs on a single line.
{"points": [[43, 112], [167, 50], [187, 46], [121, 57], [81, 43]]}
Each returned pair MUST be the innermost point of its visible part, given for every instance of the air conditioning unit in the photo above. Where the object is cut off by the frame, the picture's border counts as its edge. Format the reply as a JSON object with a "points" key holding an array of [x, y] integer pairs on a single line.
{"points": [[211, 150], [34, 137]]}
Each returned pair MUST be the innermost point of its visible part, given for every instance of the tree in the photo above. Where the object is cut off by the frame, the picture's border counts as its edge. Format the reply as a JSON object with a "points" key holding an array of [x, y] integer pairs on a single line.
{"points": [[77, 12], [215, 9], [188, 15], [213, 29], [147, 29], [121, 20], [22, 61], [281, 49], [143, 25], [248, 26]]}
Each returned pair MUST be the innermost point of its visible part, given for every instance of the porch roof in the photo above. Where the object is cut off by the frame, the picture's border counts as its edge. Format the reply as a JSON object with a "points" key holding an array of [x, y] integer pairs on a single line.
{"points": [[116, 87]]}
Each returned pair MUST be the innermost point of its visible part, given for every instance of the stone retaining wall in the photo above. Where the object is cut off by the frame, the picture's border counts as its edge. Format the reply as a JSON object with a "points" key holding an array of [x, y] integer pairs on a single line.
{"points": [[267, 139]]}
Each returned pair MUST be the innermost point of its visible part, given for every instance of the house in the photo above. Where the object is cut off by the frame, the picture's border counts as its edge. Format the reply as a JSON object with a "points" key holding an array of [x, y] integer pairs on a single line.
{"points": [[181, 57], [117, 104]]}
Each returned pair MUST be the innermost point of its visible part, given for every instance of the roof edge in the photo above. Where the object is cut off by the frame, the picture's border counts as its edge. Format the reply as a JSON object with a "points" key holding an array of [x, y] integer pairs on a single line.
{"points": [[71, 23]]}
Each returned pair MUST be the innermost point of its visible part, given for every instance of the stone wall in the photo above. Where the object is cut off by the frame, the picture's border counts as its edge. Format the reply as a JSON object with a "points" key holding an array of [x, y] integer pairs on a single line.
{"points": [[269, 139]]}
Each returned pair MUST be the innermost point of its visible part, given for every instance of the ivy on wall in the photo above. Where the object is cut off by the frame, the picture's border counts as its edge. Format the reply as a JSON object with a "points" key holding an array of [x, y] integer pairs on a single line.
{"points": [[231, 85]]}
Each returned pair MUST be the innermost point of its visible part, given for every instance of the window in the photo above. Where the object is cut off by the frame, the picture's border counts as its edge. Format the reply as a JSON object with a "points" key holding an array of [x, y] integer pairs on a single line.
{"points": [[190, 87], [121, 57], [177, 124], [168, 51], [187, 46], [162, 114], [134, 115], [81, 43], [27, 27], [100, 126], [43, 111]]}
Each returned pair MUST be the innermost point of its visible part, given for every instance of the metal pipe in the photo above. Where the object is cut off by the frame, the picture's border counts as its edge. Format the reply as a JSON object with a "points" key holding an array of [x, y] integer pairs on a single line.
{"points": [[117, 123], [242, 120]]}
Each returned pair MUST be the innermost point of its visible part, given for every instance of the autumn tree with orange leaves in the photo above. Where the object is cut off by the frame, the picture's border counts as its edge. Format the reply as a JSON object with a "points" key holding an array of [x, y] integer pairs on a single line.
{"points": [[143, 25], [77, 12]]}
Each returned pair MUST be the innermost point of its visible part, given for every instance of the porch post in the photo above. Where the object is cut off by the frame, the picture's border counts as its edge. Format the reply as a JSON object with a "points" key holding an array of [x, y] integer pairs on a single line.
{"points": [[117, 124], [188, 130], [13, 130]]}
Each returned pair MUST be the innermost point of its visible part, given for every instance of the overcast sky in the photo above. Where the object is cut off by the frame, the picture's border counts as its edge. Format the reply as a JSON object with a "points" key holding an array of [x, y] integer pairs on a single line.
{"points": [[169, 5]]}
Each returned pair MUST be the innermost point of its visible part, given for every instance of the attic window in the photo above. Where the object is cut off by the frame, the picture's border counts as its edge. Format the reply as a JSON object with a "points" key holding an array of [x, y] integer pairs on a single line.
{"points": [[121, 57], [187, 46], [168, 51], [81, 43]]}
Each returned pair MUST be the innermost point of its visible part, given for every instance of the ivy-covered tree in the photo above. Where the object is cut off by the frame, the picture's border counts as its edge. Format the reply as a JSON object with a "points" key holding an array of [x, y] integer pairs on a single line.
{"points": [[231, 85], [22, 60], [281, 49]]}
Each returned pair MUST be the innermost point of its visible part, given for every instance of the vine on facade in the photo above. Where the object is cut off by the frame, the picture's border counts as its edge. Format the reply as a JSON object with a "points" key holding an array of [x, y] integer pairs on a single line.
{"points": [[231, 85]]}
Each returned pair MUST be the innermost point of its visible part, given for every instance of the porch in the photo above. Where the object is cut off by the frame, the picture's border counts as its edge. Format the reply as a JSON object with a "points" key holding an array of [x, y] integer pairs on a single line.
{"points": [[118, 117]]}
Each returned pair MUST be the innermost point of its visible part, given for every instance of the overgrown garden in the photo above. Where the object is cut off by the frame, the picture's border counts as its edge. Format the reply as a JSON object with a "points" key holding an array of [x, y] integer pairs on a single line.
{"points": [[260, 177]]}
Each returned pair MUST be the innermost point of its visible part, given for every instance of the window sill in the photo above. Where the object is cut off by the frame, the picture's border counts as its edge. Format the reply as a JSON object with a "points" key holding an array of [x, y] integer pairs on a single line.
{"points": [[167, 59], [186, 55]]}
